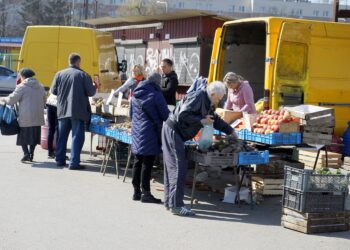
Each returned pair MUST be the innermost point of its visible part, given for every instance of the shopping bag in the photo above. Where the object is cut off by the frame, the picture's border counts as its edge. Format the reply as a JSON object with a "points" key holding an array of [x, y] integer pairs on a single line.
{"points": [[8, 114], [10, 129], [206, 138], [2, 108]]}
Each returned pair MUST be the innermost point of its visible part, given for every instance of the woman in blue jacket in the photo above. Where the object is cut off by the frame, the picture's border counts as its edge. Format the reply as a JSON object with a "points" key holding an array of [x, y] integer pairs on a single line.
{"points": [[148, 111]]}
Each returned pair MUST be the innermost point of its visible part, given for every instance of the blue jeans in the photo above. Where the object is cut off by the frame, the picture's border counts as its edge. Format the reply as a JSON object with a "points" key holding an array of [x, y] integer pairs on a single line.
{"points": [[77, 127]]}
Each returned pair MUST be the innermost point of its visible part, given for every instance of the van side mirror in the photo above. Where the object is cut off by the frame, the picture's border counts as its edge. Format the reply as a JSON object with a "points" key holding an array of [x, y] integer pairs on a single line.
{"points": [[123, 66]]}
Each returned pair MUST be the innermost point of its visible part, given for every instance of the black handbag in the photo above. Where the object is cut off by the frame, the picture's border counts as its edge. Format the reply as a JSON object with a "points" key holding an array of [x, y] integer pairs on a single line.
{"points": [[10, 129]]}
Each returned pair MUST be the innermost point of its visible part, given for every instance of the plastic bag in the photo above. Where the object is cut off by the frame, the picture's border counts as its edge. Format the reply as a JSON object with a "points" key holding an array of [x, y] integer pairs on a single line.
{"points": [[206, 138], [8, 114]]}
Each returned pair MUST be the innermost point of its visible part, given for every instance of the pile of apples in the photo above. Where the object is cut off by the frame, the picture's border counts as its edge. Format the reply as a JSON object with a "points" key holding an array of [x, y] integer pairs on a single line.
{"points": [[270, 121]]}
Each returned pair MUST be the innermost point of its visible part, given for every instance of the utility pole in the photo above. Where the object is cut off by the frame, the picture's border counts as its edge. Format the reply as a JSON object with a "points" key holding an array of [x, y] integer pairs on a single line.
{"points": [[96, 7], [86, 9]]}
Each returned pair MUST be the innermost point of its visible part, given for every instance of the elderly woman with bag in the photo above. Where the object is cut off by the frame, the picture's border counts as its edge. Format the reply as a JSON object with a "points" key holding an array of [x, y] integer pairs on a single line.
{"points": [[30, 96], [148, 111]]}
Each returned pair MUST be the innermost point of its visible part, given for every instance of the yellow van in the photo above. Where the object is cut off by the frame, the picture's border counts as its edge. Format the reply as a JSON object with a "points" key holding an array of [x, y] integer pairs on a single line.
{"points": [[45, 49], [288, 61]]}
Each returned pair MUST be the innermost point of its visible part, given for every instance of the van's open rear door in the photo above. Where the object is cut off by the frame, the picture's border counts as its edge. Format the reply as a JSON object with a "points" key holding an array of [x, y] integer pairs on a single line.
{"points": [[213, 68], [291, 67]]}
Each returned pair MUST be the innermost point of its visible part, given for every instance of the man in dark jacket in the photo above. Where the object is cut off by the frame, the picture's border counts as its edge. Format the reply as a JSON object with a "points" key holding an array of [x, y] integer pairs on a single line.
{"points": [[169, 81], [148, 111], [192, 113], [72, 86]]}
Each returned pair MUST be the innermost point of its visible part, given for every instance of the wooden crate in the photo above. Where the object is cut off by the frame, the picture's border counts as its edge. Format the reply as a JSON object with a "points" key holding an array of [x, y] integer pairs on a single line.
{"points": [[309, 223], [308, 157], [346, 164], [267, 186], [291, 127], [318, 129], [317, 138], [326, 121], [309, 112], [121, 111]]}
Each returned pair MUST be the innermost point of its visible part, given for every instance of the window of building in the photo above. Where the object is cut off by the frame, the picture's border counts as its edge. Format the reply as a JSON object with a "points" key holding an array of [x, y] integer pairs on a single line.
{"points": [[233, 8], [316, 13], [326, 13], [241, 8]]}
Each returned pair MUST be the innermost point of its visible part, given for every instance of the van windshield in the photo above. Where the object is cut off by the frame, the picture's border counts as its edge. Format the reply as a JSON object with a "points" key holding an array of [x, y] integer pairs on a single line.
{"points": [[244, 52]]}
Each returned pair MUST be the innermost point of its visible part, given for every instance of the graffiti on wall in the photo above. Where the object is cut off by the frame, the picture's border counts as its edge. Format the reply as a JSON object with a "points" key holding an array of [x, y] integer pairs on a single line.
{"points": [[186, 60]]}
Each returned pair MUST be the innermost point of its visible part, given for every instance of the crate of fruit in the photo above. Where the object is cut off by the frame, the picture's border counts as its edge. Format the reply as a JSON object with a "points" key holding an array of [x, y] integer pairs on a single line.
{"points": [[253, 157], [305, 180], [213, 158], [313, 202]]}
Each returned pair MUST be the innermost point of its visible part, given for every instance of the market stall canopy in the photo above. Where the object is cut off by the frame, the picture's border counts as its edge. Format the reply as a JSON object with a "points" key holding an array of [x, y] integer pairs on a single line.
{"points": [[153, 18]]}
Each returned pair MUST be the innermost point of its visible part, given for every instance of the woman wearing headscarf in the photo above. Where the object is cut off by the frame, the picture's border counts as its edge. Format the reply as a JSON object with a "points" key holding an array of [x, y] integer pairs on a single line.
{"points": [[30, 96]]}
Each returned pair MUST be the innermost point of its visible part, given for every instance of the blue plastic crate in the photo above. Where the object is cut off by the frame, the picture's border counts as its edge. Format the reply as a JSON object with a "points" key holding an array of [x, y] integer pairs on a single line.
{"points": [[110, 132], [274, 138], [97, 129], [98, 120], [254, 157], [241, 134]]}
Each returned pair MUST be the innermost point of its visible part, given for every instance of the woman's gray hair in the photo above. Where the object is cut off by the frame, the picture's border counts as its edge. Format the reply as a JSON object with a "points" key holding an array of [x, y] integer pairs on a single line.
{"points": [[216, 87], [156, 78], [232, 77]]}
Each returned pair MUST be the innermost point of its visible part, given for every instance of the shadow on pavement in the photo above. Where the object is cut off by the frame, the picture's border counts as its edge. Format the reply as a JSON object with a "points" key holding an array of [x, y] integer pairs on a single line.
{"points": [[50, 165]]}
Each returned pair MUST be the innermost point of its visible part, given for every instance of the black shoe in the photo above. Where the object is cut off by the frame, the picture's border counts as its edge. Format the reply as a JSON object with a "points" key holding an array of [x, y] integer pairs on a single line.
{"points": [[25, 158], [61, 165], [148, 198], [31, 157], [136, 196], [52, 155], [79, 167]]}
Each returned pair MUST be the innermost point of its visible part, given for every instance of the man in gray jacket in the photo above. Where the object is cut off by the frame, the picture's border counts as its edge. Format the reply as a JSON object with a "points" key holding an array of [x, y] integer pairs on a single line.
{"points": [[190, 115], [72, 86]]}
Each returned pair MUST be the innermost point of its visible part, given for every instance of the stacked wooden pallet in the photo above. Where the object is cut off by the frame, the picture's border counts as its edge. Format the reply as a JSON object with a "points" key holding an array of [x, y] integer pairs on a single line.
{"points": [[308, 157], [315, 222], [346, 164], [318, 123], [267, 185]]}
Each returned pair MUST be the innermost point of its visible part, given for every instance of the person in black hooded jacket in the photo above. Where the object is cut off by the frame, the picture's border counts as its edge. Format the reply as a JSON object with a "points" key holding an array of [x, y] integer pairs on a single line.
{"points": [[169, 81]]}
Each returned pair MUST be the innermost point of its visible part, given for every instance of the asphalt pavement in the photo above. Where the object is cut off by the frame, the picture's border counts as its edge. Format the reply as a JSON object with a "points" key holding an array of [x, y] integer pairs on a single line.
{"points": [[44, 207]]}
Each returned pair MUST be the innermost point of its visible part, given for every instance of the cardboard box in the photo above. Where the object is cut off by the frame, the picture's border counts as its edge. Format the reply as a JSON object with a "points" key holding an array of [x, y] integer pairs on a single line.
{"points": [[228, 116]]}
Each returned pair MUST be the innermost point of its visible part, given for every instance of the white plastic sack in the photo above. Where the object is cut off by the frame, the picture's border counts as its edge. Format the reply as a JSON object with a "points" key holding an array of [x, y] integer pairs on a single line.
{"points": [[206, 138], [230, 195]]}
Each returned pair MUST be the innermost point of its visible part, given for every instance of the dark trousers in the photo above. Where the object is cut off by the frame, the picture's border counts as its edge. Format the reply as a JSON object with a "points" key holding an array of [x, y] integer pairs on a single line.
{"points": [[141, 173], [53, 127], [28, 149], [77, 127], [175, 167]]}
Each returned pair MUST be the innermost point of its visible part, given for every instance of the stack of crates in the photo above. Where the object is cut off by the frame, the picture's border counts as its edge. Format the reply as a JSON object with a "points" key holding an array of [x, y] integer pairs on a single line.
{"points": [[312, 195]]}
